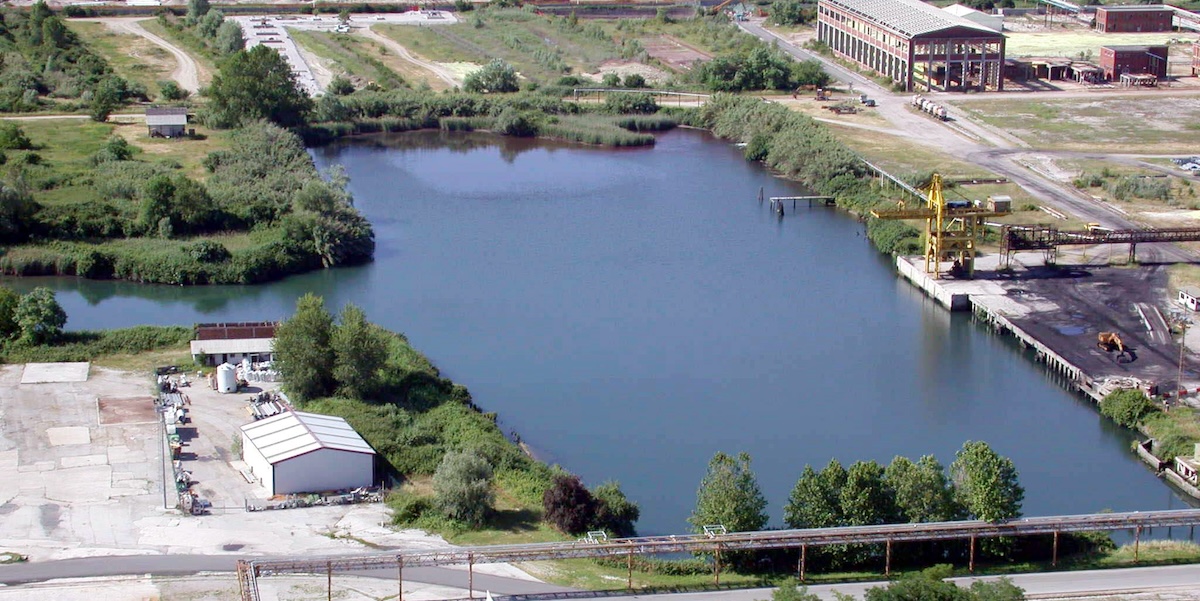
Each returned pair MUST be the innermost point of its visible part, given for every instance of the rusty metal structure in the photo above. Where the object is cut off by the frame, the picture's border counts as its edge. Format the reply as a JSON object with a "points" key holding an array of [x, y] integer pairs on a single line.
{"points": [[1048, 238], [714, 540]]}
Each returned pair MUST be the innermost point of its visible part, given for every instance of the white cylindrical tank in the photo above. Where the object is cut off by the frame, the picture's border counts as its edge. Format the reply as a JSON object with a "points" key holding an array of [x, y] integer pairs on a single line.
{"points": [[226, 378]]}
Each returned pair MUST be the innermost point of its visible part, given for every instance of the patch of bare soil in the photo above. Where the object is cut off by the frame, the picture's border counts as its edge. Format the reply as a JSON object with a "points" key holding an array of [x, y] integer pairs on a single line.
{"points": [[653, 75], [673, 53]]}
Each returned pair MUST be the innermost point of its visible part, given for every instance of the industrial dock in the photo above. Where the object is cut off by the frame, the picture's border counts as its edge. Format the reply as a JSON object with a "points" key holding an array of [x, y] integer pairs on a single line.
{"points": [[1059, 311]]}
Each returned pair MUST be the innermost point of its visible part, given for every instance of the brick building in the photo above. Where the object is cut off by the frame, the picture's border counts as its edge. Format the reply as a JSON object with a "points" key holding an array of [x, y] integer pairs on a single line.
{"points": [[1134, 60], [1134, 19], [915, 44]]}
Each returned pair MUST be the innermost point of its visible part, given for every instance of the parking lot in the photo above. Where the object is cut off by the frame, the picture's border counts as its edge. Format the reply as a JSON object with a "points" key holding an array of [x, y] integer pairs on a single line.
{"points": [[82, 467]]}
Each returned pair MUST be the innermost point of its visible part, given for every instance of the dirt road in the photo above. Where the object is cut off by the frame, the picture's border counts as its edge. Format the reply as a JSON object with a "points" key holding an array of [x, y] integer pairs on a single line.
{"points": [[441, 72], [186, 73]]}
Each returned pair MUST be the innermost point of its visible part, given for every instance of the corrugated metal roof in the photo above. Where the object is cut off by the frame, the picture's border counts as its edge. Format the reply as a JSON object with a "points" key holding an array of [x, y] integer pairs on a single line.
{"points": [[295, 433], [153, 120], [908, 17], [1137, 8], [231, 347]]}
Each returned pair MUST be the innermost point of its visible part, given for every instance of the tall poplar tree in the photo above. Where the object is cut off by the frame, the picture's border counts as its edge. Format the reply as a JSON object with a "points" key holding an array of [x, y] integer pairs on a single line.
{"points": [[303, 353]]}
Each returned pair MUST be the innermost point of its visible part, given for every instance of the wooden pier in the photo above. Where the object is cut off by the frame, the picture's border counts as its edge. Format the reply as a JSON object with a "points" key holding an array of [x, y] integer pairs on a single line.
{"points": [[779, 202]]}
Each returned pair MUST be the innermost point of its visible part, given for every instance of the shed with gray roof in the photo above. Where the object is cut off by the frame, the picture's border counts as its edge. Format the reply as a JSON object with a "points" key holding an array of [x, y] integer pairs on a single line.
{"points": [[166, 122], [298, 452]]}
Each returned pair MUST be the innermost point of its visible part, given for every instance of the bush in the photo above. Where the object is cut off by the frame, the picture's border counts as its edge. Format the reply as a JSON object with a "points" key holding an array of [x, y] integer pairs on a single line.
{"points": [[634, 80], [407, 507], [171, 90], [12, 137], [519, 124], [1126, 407], [495, 77], [567, 504], [624, 103], [462, 487], [207, 251]]}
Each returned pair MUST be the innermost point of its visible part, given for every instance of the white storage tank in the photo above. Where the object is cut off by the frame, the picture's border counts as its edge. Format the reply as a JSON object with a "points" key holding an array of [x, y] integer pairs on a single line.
{"points": [[226, 378]]}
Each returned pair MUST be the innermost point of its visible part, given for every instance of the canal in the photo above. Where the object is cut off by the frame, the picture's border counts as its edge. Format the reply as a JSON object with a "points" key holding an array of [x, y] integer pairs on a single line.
{"points": [[632, 312]]}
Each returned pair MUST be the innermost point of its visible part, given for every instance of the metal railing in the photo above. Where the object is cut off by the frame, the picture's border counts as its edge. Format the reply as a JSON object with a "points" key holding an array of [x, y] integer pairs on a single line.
{"points": [[715, 542]]}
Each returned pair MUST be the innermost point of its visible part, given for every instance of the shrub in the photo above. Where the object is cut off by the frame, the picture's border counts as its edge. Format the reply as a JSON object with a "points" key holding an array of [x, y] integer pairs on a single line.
{"points": [[407, 508], [1126, 407], [207, 251], [12, 137], [567, 504], [635, 80], [623, 103], [172, 91], [462, 488], [520, 124]]}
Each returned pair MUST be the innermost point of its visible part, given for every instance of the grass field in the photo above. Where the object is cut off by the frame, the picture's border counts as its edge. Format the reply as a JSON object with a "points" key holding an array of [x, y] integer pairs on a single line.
{"points": [[355, 57], [540, 47], [132, 57], [1148, 124]]}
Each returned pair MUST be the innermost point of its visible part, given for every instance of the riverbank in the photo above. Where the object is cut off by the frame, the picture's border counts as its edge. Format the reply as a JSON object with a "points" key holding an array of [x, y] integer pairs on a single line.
{"points": [[111, 202]]}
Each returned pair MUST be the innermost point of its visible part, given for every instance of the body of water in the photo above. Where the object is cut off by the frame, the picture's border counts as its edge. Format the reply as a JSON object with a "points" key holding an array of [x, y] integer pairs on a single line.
{"points": [[632, 312]]}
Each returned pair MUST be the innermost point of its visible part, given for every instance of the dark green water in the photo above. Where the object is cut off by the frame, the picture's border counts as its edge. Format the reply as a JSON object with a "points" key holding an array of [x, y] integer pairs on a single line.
{"points": [[632, 312]]}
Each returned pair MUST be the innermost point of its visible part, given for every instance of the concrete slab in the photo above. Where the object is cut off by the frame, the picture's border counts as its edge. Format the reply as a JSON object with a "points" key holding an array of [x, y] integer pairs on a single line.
{"points": [[89, 484], [84, 460], [47, 373], [67, 435]]}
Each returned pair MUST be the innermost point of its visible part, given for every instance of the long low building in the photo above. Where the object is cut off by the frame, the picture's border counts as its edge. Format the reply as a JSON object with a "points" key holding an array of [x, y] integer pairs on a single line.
{"points": [[298, 452], [917, 45], [218, 343]]}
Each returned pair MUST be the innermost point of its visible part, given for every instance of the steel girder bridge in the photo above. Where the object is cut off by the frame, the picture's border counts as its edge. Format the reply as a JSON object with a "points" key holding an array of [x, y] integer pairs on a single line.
{"points": [[714, 540], [1048, 239]]}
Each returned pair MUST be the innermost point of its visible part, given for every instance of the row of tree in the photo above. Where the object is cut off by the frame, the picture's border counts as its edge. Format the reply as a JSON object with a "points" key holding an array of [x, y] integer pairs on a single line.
{"points": [[318, 358], [981, 485]]}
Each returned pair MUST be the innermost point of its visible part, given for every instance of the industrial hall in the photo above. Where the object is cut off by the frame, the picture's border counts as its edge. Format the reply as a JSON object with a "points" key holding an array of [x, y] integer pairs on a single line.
{"points": [[917, 45]]}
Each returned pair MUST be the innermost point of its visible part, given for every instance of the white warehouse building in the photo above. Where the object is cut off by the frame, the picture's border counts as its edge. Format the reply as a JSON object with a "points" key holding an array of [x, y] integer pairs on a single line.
{"points": [[296, 452]]}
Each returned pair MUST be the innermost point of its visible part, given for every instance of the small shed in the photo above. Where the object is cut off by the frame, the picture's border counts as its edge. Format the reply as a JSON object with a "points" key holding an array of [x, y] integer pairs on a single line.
{"points": [[1189, 467], [166, 122], [297, 452], [1135, 61], [1190, 297]]}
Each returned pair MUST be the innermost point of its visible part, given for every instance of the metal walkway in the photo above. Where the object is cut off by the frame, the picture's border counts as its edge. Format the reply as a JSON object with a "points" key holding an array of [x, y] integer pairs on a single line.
{"points": [[1016, 238], [714, 541]]}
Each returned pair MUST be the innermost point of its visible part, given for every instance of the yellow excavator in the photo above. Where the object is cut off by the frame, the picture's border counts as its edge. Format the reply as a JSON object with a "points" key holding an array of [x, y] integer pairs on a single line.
{"points": [[1111, 341]]}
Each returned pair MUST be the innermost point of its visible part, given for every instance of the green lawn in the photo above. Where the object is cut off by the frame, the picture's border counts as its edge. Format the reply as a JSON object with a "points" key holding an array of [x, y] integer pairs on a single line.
{"points": [[132, 57]]}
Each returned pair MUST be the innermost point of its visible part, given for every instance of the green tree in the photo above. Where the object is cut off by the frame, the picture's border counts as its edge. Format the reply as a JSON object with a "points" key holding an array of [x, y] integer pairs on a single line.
{"points": [[996, 590], [256, 84], [171, 90], [108, 95], [360, 351], [922, 492], [18, 214], [197, 9], [39, 316], [615, 513], [634, 80], [1126, 407], [568, 505], [495, 77], [866, 499], [611, 80], [302, 349], [206, 27], [9, 328], [157, 197], [815, 500], [729, 495], [12, 137], [986, 483], [229, 38], [791, 12], [462, 488], [340, 86]]}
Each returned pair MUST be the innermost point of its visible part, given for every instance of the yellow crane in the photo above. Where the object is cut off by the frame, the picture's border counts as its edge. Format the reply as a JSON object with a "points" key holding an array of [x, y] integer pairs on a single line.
{"points": [[952, 230]]}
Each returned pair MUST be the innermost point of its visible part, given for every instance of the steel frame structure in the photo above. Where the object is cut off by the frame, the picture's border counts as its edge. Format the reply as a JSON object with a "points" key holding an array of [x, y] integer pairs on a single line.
{"points": [[1049, 238], [950, 232], [714, 541]]}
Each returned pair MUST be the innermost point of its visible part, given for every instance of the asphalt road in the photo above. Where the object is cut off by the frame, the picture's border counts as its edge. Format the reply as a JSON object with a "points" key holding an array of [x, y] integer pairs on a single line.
{"points": [[182, 565], [1052, 584]]}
